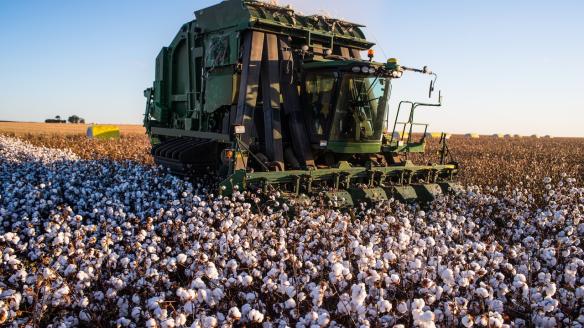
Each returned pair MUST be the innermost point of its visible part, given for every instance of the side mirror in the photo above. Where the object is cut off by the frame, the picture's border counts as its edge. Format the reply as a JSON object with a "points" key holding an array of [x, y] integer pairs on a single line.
{"points": [[431, 89], [432, 84]]}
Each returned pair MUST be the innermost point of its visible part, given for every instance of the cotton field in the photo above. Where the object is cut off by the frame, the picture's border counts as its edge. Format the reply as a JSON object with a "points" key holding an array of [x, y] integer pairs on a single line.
{"points": [[118, 243]]}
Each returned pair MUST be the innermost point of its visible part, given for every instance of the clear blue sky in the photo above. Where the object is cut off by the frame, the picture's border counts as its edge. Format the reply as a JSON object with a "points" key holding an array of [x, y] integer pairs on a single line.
{"points": [[504, 66]]}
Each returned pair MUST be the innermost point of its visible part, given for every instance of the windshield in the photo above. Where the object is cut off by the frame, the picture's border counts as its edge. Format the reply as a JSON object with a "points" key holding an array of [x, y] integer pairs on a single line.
{"points": [[319, 97], [361, 108]]}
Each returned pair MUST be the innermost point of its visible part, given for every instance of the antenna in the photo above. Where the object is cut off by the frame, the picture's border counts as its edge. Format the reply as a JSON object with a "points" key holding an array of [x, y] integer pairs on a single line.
{"points": [[378, 44]]}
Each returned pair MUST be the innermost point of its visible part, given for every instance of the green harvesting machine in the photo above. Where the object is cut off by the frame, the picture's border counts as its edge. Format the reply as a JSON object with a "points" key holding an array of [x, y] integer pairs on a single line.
{"points": [[267, 98]]}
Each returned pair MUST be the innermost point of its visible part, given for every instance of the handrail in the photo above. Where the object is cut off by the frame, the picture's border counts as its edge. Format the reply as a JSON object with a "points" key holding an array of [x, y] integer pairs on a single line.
{"points": [[410, 122]]}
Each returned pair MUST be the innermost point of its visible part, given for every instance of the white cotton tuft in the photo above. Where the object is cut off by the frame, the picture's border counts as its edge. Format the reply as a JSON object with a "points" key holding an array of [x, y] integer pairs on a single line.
{"points": [[358, 294], [467, 321], [181, 258], [384, 306], [482, 292], [255, 316], [211, 271], [290, 303], [234, 313]]}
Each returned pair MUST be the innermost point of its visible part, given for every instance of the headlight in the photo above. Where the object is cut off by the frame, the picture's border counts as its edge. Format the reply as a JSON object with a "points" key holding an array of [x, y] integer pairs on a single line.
{"points": [[371, 70], [365, 69], [356, 69], [396, 74], [239, 129]]}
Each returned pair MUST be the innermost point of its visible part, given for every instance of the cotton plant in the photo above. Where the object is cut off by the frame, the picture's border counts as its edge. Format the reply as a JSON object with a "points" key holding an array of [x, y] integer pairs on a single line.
{"points": [[128, 245]]}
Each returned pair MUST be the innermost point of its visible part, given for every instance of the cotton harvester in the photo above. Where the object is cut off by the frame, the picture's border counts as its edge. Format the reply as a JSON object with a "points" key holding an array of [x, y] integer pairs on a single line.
{"points": [[268, 98]]}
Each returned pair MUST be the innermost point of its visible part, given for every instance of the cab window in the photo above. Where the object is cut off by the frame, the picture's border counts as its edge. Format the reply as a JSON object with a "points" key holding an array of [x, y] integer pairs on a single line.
{"points": [[318, 100]]}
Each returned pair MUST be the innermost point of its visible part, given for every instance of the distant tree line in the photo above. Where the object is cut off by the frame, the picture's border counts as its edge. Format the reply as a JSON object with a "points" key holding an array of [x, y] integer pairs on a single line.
{"points": [[74, 119]]}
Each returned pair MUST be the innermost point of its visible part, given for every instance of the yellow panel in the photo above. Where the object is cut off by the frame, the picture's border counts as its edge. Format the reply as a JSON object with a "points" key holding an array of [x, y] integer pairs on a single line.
{"points": [[103, 132]]}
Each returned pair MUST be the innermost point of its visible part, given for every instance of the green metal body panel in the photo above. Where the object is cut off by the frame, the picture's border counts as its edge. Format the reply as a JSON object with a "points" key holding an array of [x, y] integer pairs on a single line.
{"points": [[354, 147], [374, 194], [221, 89], [395, 147], [428, 192], [449, 186], [403, 193]]}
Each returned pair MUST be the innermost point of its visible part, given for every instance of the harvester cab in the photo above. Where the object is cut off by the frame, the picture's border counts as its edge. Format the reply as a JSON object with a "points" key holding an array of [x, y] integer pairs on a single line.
{"points": [[268, 98], [345, 105]]}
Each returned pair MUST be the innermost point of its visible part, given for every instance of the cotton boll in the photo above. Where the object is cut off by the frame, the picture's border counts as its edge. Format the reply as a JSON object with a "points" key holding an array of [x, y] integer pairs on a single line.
{"points": [[317, 295], [232, 265], [463, 282], [482, 292], [83, 302], [234, 314], [290, 303], [116, 283], [549, 304], [467, 321], [550, 289], [59, 294], [136, 313], [358, 294], [181, 258], [209, 321], [247, 280], [70, 269], [323, 319], [547, 322], [402, 307], [384, 306], [495, 319], [82, 276], [198, 283], [422, 318], [579, 293], [390, 256], [519, 280], [344, 304], [84, 316], [151, 323], [418, 304], [427, 317], [186, 294], [211, 271], [497, 306], [255, 316], [124, 322], [395, 279], [447, 276], [180, 320], [336, 273]]}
